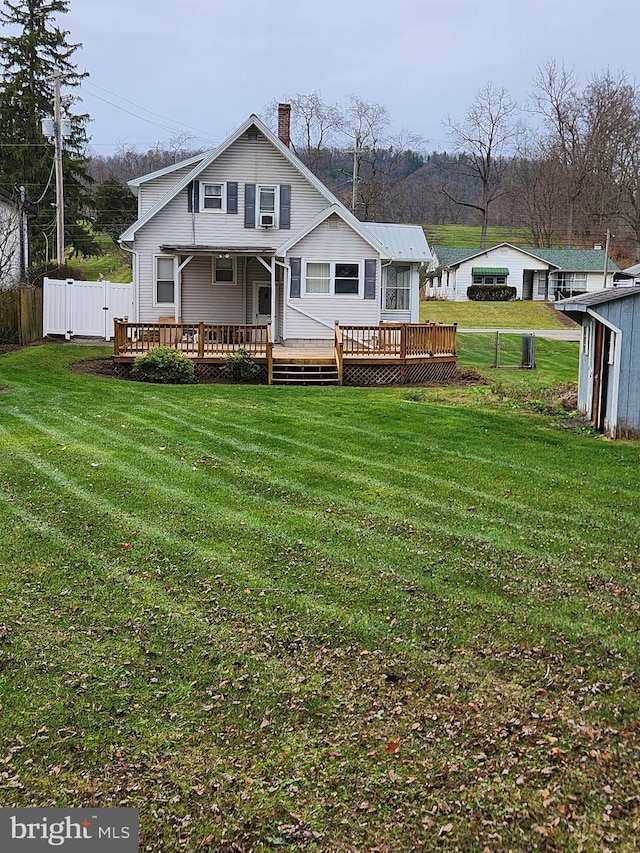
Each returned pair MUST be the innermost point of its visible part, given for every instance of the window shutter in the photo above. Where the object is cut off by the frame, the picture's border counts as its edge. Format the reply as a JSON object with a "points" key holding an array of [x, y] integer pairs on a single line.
{"points": [[370, 266], [296, 268], [249, 205], [190, 197], [285, 206], [232, 197]]}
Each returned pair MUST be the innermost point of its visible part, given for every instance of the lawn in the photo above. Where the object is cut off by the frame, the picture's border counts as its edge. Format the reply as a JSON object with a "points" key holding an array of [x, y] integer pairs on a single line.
{"points": [[493, 315], [318, 619], [469, 235]]}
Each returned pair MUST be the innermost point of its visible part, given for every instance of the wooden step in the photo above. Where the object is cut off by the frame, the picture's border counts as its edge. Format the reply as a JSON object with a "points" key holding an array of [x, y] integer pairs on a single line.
{"points": [[307, 373]]}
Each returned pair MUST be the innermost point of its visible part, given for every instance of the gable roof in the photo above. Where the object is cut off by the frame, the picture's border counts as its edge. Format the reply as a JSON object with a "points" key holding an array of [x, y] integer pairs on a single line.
{"points": [[402, 242], [347, 217], [135, 183], [212, 156], [580, 304], [562, 260]]}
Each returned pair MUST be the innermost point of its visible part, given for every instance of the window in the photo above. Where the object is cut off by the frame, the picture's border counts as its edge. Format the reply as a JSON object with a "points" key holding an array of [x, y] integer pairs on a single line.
{"points": [[397, 295], [586, 339], [333, 278], [267, 206], [213, 197], [542, 283], [566, 284], [165, 281], [224, 270], [489, 279]]}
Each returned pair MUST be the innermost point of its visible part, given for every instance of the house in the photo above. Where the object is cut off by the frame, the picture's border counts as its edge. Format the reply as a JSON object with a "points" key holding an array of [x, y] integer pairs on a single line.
{"points": [[633, 273], [14, 245], [609, 367], [538, 274], [245, 235]]}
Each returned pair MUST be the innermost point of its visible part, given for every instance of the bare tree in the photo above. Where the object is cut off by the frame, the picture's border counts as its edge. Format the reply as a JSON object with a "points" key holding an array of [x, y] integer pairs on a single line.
{"points": [[9, 246], [487, 136]]}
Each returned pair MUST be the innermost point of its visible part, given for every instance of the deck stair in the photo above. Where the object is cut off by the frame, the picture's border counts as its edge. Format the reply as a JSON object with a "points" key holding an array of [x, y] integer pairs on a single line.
{"points": [[310, 369]]}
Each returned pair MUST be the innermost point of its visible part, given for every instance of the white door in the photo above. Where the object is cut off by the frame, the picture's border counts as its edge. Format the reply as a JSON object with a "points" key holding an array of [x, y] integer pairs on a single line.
{"points": [[261, 302]]}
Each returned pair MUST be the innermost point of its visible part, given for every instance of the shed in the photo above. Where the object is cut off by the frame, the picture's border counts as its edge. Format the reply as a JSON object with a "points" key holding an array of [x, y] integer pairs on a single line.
{"points": [[609, 367]]}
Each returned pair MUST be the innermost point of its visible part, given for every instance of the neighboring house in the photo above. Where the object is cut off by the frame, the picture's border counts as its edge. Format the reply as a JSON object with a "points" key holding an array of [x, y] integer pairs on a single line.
{"points": [[14, 247], [538, 274], [245, 233], [633, 273], [609, 372]]}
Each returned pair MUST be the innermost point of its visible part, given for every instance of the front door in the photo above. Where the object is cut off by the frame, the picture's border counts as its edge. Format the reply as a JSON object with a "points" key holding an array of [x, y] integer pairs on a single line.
{"points": [[261, 302]]}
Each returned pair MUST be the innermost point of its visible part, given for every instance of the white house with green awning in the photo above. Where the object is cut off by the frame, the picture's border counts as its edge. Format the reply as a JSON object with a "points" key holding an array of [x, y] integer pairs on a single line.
{"points": [[537, 274]]}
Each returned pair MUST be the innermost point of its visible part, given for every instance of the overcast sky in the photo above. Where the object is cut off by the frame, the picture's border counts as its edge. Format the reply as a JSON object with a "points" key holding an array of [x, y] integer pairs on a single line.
{"points": [[160, 67]]}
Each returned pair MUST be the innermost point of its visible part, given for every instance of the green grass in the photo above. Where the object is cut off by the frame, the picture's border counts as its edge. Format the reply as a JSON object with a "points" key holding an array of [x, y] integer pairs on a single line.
{"points": [[492, 315], [469, 235], [317, 619], [114, 264]]}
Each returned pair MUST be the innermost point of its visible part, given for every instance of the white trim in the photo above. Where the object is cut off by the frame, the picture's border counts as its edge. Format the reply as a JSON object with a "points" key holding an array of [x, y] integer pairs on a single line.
{"points": [[346, 217], [276, 206], [223, 197], [214, 281], [331, 293], [156, 302], [213, 155], [610, 426]]}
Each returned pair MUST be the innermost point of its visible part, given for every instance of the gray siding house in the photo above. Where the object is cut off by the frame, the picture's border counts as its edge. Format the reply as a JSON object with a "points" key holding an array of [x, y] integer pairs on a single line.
{"points": [[609, 373], [245, 233]]}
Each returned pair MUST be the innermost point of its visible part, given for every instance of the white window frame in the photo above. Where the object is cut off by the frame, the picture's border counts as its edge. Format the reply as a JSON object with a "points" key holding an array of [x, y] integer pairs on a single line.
{"points": [[234, 263], [387, 288], [332, 280], [223, 196], [156, 302], [276, 203], [586, 338]]}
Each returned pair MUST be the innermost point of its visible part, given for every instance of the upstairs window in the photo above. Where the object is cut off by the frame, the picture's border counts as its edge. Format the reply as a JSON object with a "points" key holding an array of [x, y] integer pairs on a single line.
{"points": [[267, 207], [213, 197]]}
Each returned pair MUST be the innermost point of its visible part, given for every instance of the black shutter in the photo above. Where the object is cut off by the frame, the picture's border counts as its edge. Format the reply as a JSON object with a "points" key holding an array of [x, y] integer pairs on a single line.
{"points": [[190, 197], [249, 205], [285, 206], [296, 269], [232, 197], [370, 266]]}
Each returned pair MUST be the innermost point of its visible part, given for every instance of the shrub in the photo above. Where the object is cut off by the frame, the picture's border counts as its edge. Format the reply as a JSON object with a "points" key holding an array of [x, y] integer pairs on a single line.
{"points": [[491, 293], [164, 365], [52, 270], [239, 366]]}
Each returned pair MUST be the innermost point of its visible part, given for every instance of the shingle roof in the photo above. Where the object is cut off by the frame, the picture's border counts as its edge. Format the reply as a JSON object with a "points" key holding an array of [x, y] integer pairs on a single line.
{"points": [[568, 260], [596, 297]]}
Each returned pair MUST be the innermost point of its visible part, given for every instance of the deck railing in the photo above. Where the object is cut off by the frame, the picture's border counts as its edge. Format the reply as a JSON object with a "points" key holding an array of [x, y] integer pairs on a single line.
{"points": [[194, 339], [401, 340]]}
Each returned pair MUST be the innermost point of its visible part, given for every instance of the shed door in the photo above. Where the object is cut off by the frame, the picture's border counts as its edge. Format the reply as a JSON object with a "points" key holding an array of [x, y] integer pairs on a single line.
{"points": [[601, 374]]}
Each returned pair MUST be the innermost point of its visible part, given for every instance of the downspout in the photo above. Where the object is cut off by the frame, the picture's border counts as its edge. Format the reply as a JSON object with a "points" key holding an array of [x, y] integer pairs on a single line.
{"points": [[286, 282], [135, 286]]}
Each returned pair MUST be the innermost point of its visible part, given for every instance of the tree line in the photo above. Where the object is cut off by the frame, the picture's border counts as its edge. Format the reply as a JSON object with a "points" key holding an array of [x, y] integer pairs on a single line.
{"points": [[564, 166]]}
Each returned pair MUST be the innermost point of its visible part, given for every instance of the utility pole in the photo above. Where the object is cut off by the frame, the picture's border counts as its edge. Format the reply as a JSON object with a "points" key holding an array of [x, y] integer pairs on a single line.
{"points": [[356, 173], [57, 141], [606, 257]]}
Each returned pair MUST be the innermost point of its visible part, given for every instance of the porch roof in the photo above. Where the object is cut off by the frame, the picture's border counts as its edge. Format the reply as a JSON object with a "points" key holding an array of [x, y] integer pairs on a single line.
{"points": [[250, 251]]}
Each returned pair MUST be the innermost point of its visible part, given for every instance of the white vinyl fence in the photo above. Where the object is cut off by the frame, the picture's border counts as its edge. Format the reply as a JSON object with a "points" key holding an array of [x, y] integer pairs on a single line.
{"points": [[84, 307]]}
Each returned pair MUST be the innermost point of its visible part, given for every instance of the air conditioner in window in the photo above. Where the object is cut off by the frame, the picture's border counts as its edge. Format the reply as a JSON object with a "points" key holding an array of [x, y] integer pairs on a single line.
{"points": [[267, 220]]}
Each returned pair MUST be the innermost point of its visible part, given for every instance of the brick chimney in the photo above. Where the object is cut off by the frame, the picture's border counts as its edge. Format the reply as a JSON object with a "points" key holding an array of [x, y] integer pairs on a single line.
{"points": [[284, 124]]}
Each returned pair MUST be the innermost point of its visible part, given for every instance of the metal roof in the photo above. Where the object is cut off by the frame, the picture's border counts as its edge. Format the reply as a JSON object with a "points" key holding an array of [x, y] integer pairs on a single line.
{"points": [[403, 242]]}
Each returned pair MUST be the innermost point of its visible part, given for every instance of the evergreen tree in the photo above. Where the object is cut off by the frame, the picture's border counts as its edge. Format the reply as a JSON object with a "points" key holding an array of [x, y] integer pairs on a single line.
{"points": [[116, 208], [32, 49]]}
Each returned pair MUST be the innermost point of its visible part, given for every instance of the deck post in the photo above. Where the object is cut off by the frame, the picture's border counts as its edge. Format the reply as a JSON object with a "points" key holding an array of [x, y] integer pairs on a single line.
{"points": [[269, 355], [338, 350], [403, 341], [201, 339]]}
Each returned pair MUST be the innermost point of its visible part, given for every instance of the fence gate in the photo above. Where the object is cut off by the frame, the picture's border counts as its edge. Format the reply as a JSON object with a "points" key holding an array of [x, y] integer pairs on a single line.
{"points": [[84, 307], [515, 350]]}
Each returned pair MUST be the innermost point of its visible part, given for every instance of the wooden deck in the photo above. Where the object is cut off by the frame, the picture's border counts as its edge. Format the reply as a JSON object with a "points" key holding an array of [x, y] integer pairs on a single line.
{"points": [[404, 350]]}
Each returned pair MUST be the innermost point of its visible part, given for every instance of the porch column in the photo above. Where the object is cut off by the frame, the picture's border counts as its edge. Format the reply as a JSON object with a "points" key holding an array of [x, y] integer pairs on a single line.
{"points": [[177, 310]]}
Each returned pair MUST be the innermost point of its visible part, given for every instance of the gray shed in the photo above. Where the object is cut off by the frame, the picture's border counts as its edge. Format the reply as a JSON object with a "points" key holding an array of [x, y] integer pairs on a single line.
{"points": [[609, 375]]}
